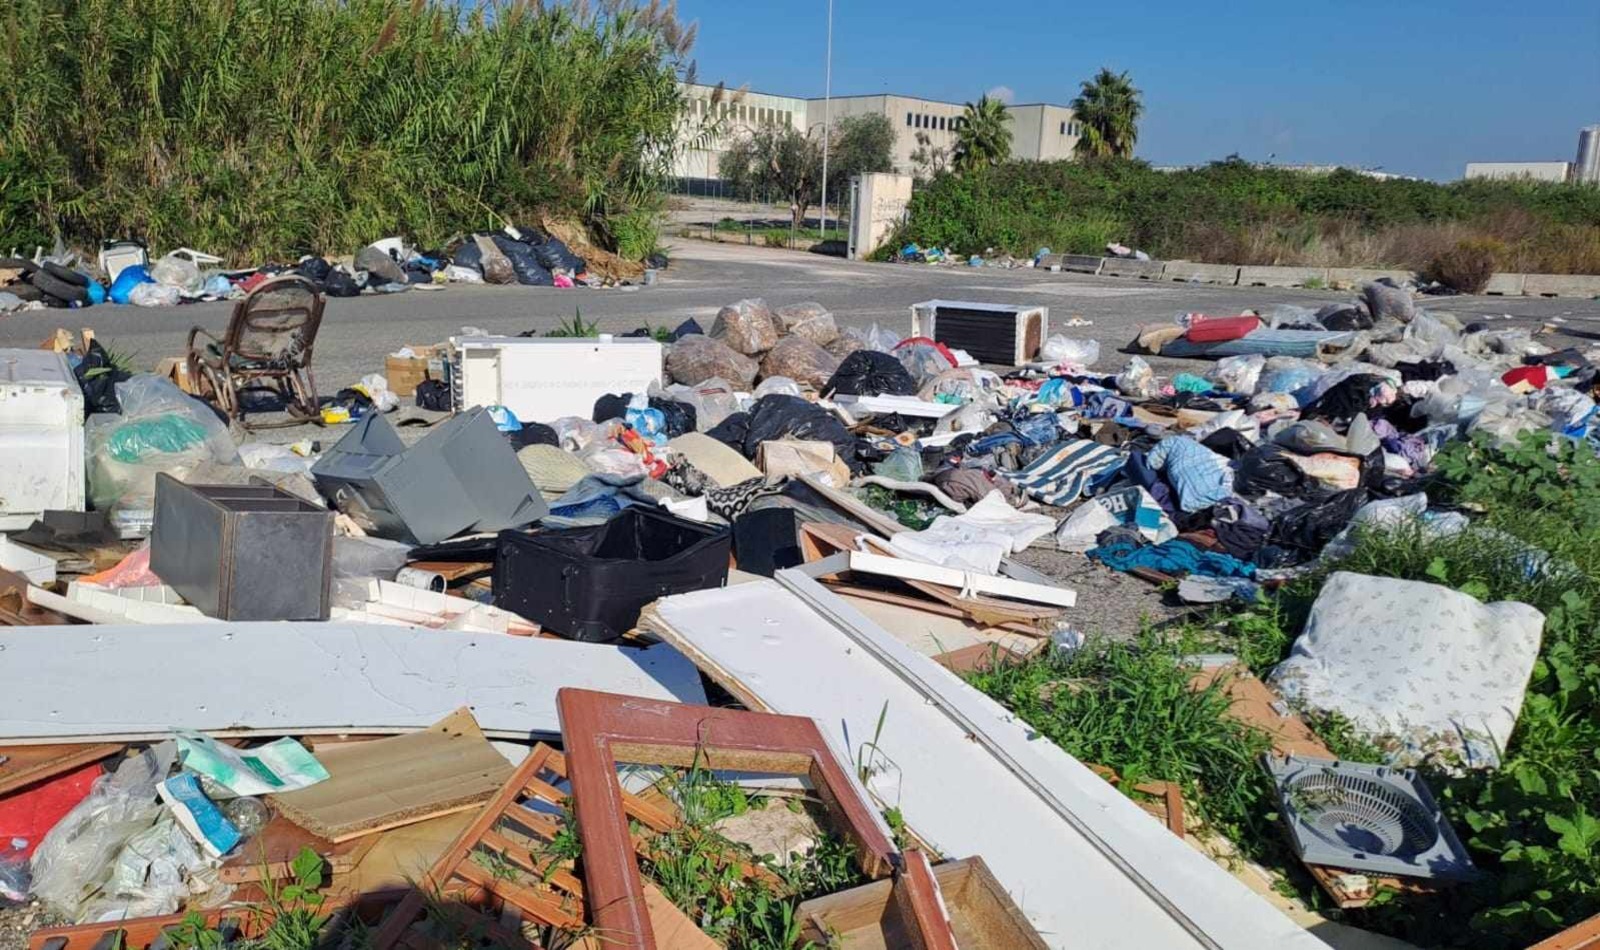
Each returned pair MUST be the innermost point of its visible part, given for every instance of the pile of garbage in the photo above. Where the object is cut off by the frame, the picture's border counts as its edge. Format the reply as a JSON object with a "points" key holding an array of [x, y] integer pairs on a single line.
{"points": [[819, 520], [124, 273]]}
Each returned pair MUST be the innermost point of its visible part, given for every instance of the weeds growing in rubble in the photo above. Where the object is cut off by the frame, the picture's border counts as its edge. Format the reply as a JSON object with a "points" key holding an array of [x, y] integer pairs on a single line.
{"points": [[711, 879]]}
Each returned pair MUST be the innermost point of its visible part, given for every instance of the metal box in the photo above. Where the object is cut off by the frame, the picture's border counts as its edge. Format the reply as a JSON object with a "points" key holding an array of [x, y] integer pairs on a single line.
{"points": [[993, 333], [41, 437], [243, 552], [544, 379], [461, 477]]}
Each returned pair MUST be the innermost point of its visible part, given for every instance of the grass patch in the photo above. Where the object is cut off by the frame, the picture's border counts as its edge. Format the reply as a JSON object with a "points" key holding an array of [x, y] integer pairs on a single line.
{"points": [[1129, 706]]}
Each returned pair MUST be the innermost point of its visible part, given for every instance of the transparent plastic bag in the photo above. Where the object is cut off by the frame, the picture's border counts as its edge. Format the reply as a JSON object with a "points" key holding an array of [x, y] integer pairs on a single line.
{"points": [[1137, 379], [872, 338], [713, 400], [924, 361], [160, 429], [77, 857], [153, 873], [610, 459], [1062, 349], [178, 271], [800, 360], [695, 359], [781, 385], [1239, 374], [809, 320], [903, 464], [1287, 374], [749, 327], [155, 295], [1310, 437], [496, 266], [577, 433]]}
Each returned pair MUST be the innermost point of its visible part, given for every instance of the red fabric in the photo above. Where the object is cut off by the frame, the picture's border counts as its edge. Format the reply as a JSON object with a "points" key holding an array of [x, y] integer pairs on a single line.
{"points": [[253, 281], [1206, 329], [34, 810], [944, 351], [1535, 376]]}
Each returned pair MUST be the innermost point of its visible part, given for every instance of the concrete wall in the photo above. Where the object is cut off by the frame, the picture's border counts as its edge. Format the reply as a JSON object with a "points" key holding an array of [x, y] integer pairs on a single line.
{"points": [[881, 202], [1532, 171]]}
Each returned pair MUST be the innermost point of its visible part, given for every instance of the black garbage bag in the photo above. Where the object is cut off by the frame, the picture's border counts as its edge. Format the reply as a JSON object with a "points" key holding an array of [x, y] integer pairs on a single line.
{"points": [[687, 328], [524, 262], [433, 395], [870, 373], [468, 254], [315, 269], [554, 254], [610, 406], [1306, 530], [1344, 316], [732, 431], [681, 417], [98, 378], [340, 284], [533, 433], [777, 417], [1268, 468], [1345, 400]]}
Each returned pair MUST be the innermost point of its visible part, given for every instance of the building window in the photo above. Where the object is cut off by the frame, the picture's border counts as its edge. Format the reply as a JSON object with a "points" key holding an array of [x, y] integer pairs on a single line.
{"points": [[943, 124], [909, 121]]}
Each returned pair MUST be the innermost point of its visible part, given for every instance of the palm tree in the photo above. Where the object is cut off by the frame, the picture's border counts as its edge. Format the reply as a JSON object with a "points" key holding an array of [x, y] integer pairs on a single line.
{"points": [[984, 137], [1108, 110]]}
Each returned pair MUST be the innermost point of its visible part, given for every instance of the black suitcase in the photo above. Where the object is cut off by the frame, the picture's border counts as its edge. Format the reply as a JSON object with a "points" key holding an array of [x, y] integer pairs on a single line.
{"points": [[590, 583]]}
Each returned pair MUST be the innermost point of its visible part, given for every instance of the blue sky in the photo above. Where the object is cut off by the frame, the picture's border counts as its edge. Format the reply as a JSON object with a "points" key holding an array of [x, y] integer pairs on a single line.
{"points": [[1417, 88]]}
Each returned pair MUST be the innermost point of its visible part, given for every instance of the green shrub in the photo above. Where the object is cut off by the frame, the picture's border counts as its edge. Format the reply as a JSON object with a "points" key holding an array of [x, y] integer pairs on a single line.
{"points": [[258, 129], [1467, 267], [1234, 212], [636, 233]]}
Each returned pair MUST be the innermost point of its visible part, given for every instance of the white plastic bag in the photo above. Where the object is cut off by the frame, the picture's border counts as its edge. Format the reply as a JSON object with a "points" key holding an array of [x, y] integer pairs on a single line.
{"points": [[160, 429], [1238, 374], [377, 387], [781, 385], [155, 295], [77, 857], [1062, 349], [1137, 379], [178, 271]]}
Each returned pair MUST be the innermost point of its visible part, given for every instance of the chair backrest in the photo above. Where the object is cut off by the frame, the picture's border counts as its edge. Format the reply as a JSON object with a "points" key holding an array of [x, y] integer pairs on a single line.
{"points": [[277, 322]]}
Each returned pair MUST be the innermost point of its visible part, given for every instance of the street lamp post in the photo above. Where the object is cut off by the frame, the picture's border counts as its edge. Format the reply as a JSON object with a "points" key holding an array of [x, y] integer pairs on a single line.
{"points": [[827, 118]]}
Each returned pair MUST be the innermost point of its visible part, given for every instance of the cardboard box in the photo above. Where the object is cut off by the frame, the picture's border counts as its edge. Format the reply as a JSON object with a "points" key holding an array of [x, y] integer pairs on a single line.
{"points": [[403, 373]]}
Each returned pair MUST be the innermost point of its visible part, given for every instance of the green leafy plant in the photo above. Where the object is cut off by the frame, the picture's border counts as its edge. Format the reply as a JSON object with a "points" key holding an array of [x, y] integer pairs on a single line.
{"points": [[575, 328]]}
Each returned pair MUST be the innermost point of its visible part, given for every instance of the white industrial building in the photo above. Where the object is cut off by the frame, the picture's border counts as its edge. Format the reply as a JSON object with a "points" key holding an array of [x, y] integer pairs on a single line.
{"points": [[1585, 170], [1039, 131]]}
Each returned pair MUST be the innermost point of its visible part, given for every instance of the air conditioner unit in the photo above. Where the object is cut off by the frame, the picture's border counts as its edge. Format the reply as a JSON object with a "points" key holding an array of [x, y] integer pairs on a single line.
{"points": [[541, 379], [994, 333]]}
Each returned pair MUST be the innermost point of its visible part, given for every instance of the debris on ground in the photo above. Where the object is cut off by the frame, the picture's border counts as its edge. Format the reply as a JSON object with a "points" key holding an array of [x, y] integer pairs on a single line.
{"points": [[505, 662]]}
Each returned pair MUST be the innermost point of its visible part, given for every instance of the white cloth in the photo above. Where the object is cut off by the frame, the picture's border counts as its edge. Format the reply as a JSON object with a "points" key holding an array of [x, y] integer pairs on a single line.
{"points": [[1423, 668]]}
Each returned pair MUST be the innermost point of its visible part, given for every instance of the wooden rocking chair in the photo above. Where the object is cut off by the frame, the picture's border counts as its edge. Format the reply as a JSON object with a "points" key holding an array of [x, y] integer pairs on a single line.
{"points": [[267, 347]]}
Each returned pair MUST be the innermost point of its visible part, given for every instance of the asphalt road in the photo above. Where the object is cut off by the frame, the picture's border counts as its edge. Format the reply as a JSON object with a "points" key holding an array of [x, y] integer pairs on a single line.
{"points": [[357, 333]]}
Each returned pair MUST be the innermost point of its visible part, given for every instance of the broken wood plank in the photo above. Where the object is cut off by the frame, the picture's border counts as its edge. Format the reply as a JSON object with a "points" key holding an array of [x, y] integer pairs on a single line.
{"points": [[373, 786], [268, 855], [1584, 935], [1255, 704], [21, 766]]}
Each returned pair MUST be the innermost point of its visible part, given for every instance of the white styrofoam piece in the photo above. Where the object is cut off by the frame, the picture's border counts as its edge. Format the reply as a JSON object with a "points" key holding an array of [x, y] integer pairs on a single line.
{"points": [[139, 683], [541, 379], [387, 602], [904, 405], [17, 559], [907, 569], [134, 609], [41, 437], [964, 799]]}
